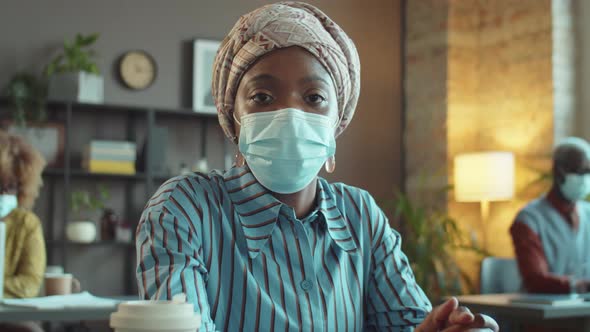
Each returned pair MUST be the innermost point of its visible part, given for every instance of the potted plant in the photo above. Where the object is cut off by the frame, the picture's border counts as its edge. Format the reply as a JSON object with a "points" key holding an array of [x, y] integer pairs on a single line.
{"points": [[27, 93], [84, 207], [430, 240], [73, 74]]}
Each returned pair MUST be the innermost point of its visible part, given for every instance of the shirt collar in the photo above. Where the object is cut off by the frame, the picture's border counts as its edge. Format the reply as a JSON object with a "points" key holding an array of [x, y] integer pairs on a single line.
{"points": [[337, 224], [258, 210]]}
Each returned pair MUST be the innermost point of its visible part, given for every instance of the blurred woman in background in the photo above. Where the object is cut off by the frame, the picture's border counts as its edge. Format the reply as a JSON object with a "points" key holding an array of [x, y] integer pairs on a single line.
{"points": [[24, 257]]}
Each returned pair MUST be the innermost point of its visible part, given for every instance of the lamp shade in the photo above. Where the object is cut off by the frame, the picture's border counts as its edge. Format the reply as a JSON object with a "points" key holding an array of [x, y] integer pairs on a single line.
{"points": [[484, 176]]}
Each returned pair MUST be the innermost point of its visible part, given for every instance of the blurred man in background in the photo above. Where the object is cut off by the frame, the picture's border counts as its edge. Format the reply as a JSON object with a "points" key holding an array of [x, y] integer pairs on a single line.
{"points": [[551, 234]]}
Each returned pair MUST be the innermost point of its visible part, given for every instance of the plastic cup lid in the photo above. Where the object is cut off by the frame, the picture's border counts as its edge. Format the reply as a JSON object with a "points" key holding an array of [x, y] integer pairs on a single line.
{"points": [[156, 316], [58, 275]]}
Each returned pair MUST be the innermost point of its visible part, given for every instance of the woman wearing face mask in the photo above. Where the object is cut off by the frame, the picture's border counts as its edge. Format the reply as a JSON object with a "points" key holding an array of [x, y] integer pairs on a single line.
{"points": [[24, 258], [268, 245]]}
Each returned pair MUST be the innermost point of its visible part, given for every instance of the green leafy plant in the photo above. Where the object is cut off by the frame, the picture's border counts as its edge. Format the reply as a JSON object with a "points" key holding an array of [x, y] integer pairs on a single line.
{"points": [[83, 203], [430, 240], [27, 93], [75, 57]]}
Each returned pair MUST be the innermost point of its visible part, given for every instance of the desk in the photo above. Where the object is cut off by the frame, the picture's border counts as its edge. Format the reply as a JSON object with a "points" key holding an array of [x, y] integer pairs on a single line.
{"points": [[11, 314], [498, 305]]}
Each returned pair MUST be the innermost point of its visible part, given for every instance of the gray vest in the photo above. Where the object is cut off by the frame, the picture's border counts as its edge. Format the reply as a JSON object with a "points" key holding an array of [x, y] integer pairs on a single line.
{"points": [[567, 251]]}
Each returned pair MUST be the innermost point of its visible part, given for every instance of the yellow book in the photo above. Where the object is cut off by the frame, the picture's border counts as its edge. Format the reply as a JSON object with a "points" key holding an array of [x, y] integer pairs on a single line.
{"points": [[111, 167]]}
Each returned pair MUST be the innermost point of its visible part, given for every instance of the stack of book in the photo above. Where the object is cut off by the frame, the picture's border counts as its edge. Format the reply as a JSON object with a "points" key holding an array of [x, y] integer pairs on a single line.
{"points": [[115, 157]]}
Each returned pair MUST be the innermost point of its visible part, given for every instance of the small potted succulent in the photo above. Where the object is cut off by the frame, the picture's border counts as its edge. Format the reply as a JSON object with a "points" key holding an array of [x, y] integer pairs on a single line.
{"points": [[84, 207], [73, 74]]}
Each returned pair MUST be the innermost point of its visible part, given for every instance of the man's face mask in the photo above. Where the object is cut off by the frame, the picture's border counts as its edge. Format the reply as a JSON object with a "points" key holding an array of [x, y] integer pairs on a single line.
{"points": [[575, 187], [285, 149]]}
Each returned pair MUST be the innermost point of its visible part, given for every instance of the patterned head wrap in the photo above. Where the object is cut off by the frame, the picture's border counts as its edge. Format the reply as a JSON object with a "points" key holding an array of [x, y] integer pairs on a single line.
{"points": [[283, 25]]}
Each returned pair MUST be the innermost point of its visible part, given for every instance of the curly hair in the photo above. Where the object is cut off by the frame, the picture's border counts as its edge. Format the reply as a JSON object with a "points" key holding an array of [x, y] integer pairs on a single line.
{"points": [[22, 165]]}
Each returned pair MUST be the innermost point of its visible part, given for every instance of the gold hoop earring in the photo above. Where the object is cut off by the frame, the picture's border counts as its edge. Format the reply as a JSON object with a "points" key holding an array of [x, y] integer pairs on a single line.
{"points": [[240, 160], [330, 164]]}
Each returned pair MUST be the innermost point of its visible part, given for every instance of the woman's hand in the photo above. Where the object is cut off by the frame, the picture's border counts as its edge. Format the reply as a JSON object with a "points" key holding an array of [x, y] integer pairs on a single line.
{"points": [[449, 317]]}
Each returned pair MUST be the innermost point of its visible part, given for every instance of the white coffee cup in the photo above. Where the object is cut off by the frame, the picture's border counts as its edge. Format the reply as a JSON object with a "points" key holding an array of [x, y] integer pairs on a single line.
{"points": [[156, 316]]}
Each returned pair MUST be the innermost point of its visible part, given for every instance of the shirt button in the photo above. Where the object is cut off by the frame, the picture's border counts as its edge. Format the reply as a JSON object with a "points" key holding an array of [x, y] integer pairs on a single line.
{"points": [[307, 285]]}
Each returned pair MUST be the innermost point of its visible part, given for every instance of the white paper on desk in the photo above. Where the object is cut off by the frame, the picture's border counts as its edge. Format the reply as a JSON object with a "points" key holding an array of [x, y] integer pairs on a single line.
{"points": [[80, 300]]}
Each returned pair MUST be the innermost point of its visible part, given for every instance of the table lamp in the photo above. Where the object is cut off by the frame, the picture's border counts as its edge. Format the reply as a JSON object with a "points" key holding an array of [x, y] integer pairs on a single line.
{"points": [[484, 177]]}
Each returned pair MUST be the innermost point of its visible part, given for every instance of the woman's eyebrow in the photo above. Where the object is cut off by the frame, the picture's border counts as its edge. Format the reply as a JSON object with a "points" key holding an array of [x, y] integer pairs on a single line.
{"points": [[313, 78], [263, 78]]}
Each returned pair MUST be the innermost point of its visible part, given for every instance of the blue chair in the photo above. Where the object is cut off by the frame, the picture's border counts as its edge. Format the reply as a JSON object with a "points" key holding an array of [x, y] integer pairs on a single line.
{"points": [[500, 275]]}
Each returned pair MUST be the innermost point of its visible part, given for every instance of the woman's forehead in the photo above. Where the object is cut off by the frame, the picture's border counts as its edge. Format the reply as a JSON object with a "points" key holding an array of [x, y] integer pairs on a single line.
{"points": [[292, 63]]}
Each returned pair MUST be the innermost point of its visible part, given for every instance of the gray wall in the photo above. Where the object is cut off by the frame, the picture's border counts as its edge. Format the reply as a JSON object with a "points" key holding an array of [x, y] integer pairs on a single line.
{"points": [[368, 153], [582, 20]]}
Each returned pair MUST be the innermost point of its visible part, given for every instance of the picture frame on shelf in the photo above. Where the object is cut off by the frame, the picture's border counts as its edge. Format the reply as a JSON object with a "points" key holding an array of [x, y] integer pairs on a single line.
{"points": [[204, 51]]}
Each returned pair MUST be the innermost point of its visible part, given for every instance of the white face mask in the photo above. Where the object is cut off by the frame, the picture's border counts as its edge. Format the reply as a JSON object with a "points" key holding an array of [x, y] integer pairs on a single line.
{"points": [[575, 187], [7, 204]]}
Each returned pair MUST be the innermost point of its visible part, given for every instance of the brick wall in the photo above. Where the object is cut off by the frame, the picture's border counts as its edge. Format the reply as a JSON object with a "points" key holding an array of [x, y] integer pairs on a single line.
{"points": [[425, 133], [497, 95]]}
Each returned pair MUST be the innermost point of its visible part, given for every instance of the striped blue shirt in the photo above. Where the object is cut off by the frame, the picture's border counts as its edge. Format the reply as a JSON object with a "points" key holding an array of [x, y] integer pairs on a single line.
{"points": [[248, 264]]}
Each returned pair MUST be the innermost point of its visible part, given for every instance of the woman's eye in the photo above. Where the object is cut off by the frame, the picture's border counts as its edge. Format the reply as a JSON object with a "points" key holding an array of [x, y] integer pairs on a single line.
{"points": [[315, 99], [262, 98]]}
